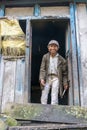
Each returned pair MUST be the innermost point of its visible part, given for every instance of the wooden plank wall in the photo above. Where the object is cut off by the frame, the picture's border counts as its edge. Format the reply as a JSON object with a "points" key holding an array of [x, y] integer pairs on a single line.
{"points": [[82, 44], [12, 81]]}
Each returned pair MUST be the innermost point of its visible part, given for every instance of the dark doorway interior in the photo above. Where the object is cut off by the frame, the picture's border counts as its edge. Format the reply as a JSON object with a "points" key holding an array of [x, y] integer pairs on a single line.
{"points": [[22, 24], [42, 32]]}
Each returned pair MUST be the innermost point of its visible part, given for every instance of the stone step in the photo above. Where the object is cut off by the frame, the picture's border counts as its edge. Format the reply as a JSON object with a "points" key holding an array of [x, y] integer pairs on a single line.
{"points": [[47, 113]]}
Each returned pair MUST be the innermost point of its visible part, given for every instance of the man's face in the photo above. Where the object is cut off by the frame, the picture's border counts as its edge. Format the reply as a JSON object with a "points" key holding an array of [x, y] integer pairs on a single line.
{"points": [[53, 49]]}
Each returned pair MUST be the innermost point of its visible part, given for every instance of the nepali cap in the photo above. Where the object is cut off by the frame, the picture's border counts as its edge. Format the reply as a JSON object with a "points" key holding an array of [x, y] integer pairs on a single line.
{"points": [[53, 42]]}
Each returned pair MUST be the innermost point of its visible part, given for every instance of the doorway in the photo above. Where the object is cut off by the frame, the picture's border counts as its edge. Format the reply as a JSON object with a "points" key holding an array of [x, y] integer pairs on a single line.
{"points": [[42, 32]]}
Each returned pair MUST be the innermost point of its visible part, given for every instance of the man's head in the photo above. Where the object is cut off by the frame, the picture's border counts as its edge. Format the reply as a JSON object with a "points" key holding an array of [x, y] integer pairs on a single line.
{"points": [[53, 47]]}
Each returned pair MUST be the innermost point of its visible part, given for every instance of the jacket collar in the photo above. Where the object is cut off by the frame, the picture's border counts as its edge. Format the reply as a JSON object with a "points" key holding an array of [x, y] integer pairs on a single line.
{"points": [[59, 58]]}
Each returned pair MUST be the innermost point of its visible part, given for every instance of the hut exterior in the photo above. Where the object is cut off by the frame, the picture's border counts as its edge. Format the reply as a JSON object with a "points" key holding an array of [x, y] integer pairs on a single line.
{"points": [[41, 21]]}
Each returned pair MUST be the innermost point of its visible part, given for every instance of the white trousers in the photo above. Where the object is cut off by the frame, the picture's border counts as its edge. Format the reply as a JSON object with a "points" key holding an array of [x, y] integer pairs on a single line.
{"points": [[54, 86]]}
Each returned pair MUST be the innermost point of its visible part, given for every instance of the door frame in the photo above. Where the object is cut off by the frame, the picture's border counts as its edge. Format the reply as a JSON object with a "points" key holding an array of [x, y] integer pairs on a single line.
{"points": [[66, 42]]}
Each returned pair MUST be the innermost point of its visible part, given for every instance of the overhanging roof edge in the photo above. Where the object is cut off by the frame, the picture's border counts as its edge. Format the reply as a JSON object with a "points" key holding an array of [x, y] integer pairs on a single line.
{"points": [[32, 2]]}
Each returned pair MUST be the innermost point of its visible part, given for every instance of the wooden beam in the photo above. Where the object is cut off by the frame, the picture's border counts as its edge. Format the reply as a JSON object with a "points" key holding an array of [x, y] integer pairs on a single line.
{"points": [[47, 113], [2, 10], [37, 10], [51, 126], [79, 57], [2, 7], [74, 56], [27, 64], [19, 81], [33, 2], [69, 62]]}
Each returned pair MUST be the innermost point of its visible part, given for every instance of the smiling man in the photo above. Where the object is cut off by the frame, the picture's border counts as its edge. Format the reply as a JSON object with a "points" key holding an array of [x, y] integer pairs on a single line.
{"points": [[53, 74]]}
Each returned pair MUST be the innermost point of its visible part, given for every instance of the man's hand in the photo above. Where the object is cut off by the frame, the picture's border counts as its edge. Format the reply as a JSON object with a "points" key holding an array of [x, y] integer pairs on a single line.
{"points": [[65, 87], [42, 82]]}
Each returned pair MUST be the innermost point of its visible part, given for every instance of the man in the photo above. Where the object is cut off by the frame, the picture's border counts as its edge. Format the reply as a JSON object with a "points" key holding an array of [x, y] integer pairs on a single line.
{"points": [[53, 74]]}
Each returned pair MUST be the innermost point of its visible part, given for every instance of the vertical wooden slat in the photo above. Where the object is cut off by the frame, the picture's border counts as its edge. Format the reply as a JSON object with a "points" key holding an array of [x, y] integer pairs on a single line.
{"points": [[0, 72], [82, 25], [8, 83], [74, 56], [1, 80], [69, 62], [2, 10], [79, 57], [27, 64], [19, 89], [37, 10]]}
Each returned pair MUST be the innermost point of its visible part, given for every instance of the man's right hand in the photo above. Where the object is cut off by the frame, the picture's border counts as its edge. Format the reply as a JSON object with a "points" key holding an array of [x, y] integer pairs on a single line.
{"points": [[42, 82]]}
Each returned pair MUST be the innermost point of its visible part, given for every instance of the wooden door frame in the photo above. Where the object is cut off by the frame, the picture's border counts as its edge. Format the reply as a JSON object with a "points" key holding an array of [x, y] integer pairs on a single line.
{"points": [[44, 18]]}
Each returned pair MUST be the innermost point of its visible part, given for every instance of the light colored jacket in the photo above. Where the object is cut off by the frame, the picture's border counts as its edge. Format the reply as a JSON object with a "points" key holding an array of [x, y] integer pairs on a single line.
{"points": [[62, 72]]}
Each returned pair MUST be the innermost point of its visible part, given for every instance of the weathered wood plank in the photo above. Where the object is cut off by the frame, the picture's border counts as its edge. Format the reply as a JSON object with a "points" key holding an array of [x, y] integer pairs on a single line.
{"points": [[1, 78], [19, 12], [37, 10], [51, 127], [74, 57], [33, 2], [19, 87], [8, 82], [79, 54], [82, 26], [55, 11], [47, 113], [69, 62], [2, 10], [27, 64]]}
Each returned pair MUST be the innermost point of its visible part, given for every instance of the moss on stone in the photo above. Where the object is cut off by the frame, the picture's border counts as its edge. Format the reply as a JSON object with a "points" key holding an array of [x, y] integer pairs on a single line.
{"points": [[25, 112], [3, 126], [11, 121], [7, 120], [77, 111], [40, 112]]}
